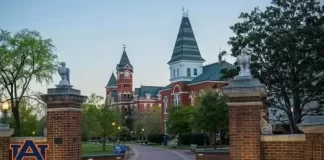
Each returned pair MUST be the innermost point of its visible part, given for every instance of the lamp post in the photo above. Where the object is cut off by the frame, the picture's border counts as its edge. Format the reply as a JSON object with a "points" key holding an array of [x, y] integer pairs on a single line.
{"points": [[33, 133], [142, 134], [113, 124], [5, 108], [118, 133]]}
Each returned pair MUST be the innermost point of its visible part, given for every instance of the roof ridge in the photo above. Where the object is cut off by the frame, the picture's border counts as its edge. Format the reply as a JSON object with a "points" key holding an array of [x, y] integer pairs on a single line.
{"points": [[150, 86]]}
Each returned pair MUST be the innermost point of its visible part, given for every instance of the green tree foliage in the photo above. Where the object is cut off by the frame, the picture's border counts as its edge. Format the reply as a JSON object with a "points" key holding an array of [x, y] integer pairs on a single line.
{"points": [[181, 119], [149, 121], [212, 115], [286, 43], [97, 119], [28, 120], [24, 56]]}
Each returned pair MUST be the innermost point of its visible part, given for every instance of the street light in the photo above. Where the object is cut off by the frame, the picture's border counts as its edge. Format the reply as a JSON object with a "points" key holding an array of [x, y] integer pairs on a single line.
{"points": [[113, 124], [33, 133], [142, 134], [118, 132], [5, 108]]}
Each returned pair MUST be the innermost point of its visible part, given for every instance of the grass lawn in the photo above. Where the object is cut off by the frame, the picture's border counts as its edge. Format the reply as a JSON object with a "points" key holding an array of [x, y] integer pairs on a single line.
{"points": [[93, 149]]}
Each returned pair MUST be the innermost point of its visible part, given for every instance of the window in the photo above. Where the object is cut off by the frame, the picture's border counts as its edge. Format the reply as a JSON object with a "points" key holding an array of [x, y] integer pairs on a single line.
{"points": [[148, 96], [195, 72], [192, 97], [176, 99], [126, 109], [125, 96], [174, 74], [188, 72], [165, 101], [177, 72], [145, 107], [165, 127]]}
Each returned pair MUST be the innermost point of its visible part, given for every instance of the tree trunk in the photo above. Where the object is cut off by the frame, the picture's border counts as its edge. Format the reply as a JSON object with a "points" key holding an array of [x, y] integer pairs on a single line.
{"points": [[215, 146], [15, 113], [104, 143], [220, 137]]}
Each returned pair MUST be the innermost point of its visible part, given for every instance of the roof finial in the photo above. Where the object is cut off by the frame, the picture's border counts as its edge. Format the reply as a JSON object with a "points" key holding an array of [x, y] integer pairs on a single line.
{"points": [[184, 14], [219, 55], [124, 46]]}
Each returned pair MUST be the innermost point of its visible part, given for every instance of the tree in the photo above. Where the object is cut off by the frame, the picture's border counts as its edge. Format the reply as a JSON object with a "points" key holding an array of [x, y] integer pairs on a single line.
{"points": [[149, 121], [181, 120], [98, 118], [24, 56], [212, 115], [28, 120], [286, 43]]}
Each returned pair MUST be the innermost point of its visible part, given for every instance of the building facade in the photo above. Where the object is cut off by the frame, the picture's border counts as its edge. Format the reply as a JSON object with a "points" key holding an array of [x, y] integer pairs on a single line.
{"points": [[189, 77], [120, 93]]}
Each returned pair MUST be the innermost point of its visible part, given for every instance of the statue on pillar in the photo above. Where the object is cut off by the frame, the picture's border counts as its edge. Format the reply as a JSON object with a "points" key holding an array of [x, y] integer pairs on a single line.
{"points": [[64, 72], [244, 60]]}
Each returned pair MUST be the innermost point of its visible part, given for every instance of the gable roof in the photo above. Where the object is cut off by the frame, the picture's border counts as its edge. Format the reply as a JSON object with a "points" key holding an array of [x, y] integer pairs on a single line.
{"points": [[112, 81], [124, 61], [186, 47], [212, 72], [153, 90]]}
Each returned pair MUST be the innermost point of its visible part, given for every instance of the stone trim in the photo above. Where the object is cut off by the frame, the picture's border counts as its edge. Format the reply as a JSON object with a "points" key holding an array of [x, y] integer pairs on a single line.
{"points": [[311, 128], [63, 109], [6, 132], [244, 103], [22, 139], [283, 138]]}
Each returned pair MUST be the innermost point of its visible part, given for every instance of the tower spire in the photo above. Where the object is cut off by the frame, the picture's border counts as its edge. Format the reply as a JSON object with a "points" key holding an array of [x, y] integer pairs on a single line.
{"points": [[124, 46], [184, 14]]}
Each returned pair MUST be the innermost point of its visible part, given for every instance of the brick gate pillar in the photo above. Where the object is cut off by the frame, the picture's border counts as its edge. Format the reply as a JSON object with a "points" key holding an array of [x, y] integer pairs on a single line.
{"points": [[245, 105], [64, 122], [313, 127], [5, 134]]}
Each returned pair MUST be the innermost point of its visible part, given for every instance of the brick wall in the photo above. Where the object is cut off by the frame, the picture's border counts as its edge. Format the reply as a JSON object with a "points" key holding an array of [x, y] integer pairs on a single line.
{"points": [[245, 132], [283, 147], [67, 126], [4, 148], [314, 146]]}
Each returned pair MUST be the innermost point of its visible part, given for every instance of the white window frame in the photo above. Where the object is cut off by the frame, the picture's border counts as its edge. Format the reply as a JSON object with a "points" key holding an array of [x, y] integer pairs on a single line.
{"points": [[165, 104], [176, 99]]}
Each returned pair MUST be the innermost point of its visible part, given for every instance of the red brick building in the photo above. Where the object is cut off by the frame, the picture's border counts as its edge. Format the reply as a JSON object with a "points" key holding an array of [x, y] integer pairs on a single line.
{"points": [[120, 93], [189, 78]]}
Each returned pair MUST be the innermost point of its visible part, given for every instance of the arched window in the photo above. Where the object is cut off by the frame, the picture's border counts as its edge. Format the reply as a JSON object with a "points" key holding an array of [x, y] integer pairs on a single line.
{"points": [[192, 97], [165, 104], [201, 92]]}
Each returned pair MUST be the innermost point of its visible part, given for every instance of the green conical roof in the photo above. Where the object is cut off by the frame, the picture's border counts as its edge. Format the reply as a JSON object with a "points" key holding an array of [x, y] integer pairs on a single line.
{"points": [[112, 81], [124, 61], [186, 47]]}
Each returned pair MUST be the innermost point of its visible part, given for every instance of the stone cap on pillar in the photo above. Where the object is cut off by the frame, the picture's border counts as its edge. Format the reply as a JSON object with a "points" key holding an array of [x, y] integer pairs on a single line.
{"points": [[314, 124], [244, 86], [5, 130]]}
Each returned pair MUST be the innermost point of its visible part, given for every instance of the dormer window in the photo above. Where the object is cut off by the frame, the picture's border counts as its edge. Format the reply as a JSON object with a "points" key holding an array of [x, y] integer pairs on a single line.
{"points": [[159, 97], [188, 72], [195, 72], [148, 96]]}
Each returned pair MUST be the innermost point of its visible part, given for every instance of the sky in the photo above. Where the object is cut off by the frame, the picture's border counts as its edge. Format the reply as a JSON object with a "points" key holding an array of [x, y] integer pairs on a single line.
{"points": [[89, 34]]}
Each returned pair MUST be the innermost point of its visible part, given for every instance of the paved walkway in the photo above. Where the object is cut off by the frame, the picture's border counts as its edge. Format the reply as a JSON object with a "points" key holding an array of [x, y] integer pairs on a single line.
{"points": [[154, 153]]}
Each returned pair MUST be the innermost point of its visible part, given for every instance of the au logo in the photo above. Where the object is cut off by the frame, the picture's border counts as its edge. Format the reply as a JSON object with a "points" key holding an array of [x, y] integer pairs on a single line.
{"points": [[29, 149]]}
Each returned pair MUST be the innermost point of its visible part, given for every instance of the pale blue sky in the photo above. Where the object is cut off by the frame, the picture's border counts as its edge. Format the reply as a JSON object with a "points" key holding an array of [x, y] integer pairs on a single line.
{"points": [[89, 34]]}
